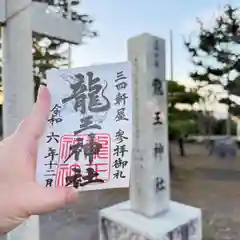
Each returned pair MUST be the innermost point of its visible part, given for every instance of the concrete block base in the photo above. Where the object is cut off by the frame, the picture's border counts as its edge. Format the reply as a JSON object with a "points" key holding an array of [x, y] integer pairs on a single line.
{"points": [[180, 222]]}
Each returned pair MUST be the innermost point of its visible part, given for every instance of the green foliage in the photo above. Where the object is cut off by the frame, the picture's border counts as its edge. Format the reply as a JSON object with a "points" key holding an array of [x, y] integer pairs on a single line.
{"points": [[45, 56], [177, 93], [46, 51], [215, 55], [181, 122], [219, 126]]}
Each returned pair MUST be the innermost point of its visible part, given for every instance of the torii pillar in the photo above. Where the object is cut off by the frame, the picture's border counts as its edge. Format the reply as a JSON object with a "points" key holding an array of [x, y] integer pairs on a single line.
{"points": [[19, 19]]}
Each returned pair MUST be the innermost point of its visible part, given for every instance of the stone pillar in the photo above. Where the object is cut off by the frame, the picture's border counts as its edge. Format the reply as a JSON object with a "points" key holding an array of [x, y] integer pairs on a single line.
{"points": [[150, 215], [150, 190], [17, 59]]}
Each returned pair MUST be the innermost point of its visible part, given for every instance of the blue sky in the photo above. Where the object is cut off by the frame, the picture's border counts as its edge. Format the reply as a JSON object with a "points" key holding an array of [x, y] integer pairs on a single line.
{"points": [[118, 20]]}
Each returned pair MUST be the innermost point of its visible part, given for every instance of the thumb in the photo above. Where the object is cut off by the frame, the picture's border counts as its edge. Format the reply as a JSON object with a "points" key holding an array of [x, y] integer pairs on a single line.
{"points": [[32, 127], [43, 200]]}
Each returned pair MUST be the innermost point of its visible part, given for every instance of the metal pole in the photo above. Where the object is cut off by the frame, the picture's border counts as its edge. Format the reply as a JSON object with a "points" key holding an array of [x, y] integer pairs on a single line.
{"points": [[18, 85], [171, 56]]}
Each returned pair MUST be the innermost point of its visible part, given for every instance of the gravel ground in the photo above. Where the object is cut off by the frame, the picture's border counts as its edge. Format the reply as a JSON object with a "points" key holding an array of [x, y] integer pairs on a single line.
{"points": [[200, 180], [79, 221]]}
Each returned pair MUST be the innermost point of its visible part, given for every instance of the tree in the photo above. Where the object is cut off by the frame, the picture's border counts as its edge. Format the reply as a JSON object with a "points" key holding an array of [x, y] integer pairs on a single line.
{"points": [[181, 121], [47, 52], [205, 113], [215, 56]]}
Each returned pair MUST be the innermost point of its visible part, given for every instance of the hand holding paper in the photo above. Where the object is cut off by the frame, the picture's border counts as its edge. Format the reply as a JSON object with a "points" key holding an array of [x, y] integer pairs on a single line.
{"points": [[80, 133], [21, 196]]}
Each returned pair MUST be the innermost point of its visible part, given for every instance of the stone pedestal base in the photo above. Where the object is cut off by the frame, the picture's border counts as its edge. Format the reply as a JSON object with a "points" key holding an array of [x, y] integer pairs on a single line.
{"points": [[181, 222]]}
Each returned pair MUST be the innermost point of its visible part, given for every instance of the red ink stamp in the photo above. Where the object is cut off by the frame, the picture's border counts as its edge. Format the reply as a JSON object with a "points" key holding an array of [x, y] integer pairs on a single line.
{"points": [[84, 158]]}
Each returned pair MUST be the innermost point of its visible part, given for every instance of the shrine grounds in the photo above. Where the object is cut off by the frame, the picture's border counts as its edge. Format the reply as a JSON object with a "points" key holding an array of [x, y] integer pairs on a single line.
{"points": [[200, 180]]}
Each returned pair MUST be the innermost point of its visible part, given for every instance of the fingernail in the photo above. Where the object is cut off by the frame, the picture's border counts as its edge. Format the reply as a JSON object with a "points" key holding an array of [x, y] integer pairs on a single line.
{"points": [[43, 82], [72, 195]]}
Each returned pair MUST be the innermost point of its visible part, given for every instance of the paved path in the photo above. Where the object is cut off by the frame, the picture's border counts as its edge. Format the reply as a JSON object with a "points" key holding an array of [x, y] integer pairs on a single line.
{"points": [[219, 174], [79, 221], [207, 183]]}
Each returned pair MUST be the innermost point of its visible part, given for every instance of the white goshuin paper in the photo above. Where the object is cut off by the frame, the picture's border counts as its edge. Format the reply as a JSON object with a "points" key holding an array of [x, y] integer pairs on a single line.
{"points": [[53, 151]]}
